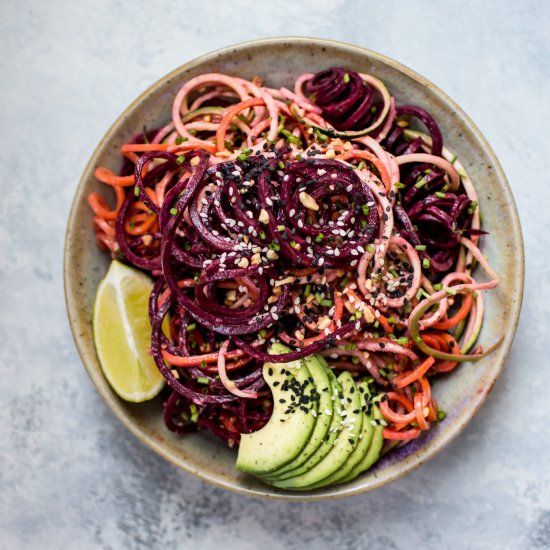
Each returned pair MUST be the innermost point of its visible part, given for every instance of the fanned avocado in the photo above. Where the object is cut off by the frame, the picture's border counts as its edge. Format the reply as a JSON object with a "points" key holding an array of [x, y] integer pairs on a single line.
{"points": [[330, 437], [321, 375], [374, 450], [288, 430], [343, 446], [365, 438]]}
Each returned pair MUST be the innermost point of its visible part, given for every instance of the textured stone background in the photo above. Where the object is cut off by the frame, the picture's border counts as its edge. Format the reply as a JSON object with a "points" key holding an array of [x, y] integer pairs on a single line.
{"points": [[70, 475]]}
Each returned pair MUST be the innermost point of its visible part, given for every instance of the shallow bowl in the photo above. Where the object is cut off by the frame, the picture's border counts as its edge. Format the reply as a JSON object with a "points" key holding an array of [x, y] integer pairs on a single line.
{"points": [[279, 60]]}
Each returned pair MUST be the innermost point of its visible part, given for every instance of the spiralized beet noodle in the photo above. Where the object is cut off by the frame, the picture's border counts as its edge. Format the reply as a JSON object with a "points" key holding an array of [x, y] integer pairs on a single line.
{"points": [[315, 216]]}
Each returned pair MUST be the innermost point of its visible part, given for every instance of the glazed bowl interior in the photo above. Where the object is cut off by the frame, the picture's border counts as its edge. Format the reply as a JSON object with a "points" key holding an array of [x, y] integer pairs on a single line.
{"points": [[279, 61]]}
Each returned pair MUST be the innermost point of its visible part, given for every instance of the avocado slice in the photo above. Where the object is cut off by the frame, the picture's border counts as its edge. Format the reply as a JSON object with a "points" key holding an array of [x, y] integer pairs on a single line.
{"points": [[330, 437], [321, 373], [345, 443], [373, 453], [289, 429], [365, 438]]}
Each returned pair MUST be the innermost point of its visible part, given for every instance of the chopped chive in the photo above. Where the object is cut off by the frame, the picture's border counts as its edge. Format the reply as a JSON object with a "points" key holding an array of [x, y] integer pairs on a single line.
{"points": [[275, 246], [320, 136], [370, 248], [318, 297], [365, 209], [426, 263], [441, 415], [180, 160], [191, 327], [402, 341], [307, 291], [194, 412], [461, 173], [450, 291], [373, 109], [262, 333], [421, 292], [452, 161], [173, 211], [193, 132], [202, 380], [319, 238], [281, 165], [344, 282], [262, 235], [280, 228], [241, 157], [361, 165], [420, 247], [327, 303], [438, 286], [420, 183], [376, 324], [355, 360], [399, 185], [440, 195], [180, 140], [392, 320], [136, 191], [294, 139], [346, 78]]}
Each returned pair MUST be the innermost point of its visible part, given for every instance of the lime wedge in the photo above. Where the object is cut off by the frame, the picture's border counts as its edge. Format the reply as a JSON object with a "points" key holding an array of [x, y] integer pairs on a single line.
{"points": [[122, 333]]}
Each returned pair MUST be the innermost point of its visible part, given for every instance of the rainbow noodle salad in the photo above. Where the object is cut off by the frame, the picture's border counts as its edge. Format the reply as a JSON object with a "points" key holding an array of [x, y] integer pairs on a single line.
{"points": [[314, 216]]}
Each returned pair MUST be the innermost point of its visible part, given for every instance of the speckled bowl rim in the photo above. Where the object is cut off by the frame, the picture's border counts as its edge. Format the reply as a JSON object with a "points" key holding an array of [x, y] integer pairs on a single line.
{"points": [[453, 430]]}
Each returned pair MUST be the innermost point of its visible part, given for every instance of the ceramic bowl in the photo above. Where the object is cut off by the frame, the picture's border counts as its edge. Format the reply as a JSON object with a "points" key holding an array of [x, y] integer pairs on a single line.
{"points": [[279, 60]]}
